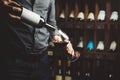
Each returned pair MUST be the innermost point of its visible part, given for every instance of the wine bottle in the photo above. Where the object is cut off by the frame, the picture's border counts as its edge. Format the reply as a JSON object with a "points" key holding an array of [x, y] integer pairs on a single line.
{"points": [[81, 10], [68, 71], [102, 10], [59, 71], [91, 11], [79, 71], [80, 16], [91, 16], [114, 16], [101, 15], [71, 10], [71, 16], [62, 16], [81, 43], [100, 46], [90, 45]]}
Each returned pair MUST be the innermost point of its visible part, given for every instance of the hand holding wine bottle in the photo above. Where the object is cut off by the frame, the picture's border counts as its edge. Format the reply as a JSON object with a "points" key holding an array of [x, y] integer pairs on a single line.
{"points": [[16, 12]]}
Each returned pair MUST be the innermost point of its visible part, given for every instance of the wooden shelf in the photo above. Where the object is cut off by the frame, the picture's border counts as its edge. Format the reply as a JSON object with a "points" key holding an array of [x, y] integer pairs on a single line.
{"points": [[99, 64]]}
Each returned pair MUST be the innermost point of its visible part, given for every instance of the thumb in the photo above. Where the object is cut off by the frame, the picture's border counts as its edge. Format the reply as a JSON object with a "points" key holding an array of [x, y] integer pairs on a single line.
{"points": [[13, 3], [66, 40]]}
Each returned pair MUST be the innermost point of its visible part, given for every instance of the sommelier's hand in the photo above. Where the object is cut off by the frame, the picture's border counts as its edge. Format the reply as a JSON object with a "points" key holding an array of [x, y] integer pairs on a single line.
{"points": [[71, 51], [68, 47], [9, 9]]}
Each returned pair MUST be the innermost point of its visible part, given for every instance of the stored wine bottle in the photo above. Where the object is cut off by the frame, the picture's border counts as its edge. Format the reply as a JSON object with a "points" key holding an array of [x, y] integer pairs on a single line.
{"points": [[51, 60], [80, 45], [80, 16], [68, 71], [110, 76], [102, 11], [62, 16], [81, 10], [79, 71], [90, 45], [70, 12], [91, 11], [59, 71], [71, 16], [87, 76]]}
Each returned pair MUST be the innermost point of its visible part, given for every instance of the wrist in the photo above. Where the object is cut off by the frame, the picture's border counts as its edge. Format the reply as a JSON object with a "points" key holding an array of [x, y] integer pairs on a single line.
{"points": [[73, 53]]}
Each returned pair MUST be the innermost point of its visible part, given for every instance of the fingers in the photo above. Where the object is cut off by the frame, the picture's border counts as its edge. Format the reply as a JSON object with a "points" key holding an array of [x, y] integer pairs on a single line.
{"points": [[14, 13], [14, 7], [5, 2], [11, 9], [66, 40], [14, 17], [77, 54], [13, 3], [69, 48]]}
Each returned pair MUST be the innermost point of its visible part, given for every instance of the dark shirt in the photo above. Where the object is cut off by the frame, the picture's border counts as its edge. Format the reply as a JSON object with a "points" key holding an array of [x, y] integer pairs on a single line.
{"points": [[22, 37]]}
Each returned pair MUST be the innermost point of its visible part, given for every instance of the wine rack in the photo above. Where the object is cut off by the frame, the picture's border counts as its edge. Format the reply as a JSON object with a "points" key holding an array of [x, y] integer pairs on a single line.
{"points": [[100, 46]]}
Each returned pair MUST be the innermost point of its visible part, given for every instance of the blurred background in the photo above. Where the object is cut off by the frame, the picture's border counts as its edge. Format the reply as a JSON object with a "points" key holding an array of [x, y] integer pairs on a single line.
{"points": [[93, 27]]}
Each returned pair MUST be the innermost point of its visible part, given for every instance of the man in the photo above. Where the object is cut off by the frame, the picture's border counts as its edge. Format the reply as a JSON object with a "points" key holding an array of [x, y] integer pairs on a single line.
{"points": [[23, 47]]}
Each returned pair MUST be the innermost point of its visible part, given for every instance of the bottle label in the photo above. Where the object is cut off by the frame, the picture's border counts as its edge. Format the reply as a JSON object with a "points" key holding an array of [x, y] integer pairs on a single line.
{"points": [[58, 77], [68, 78]]}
